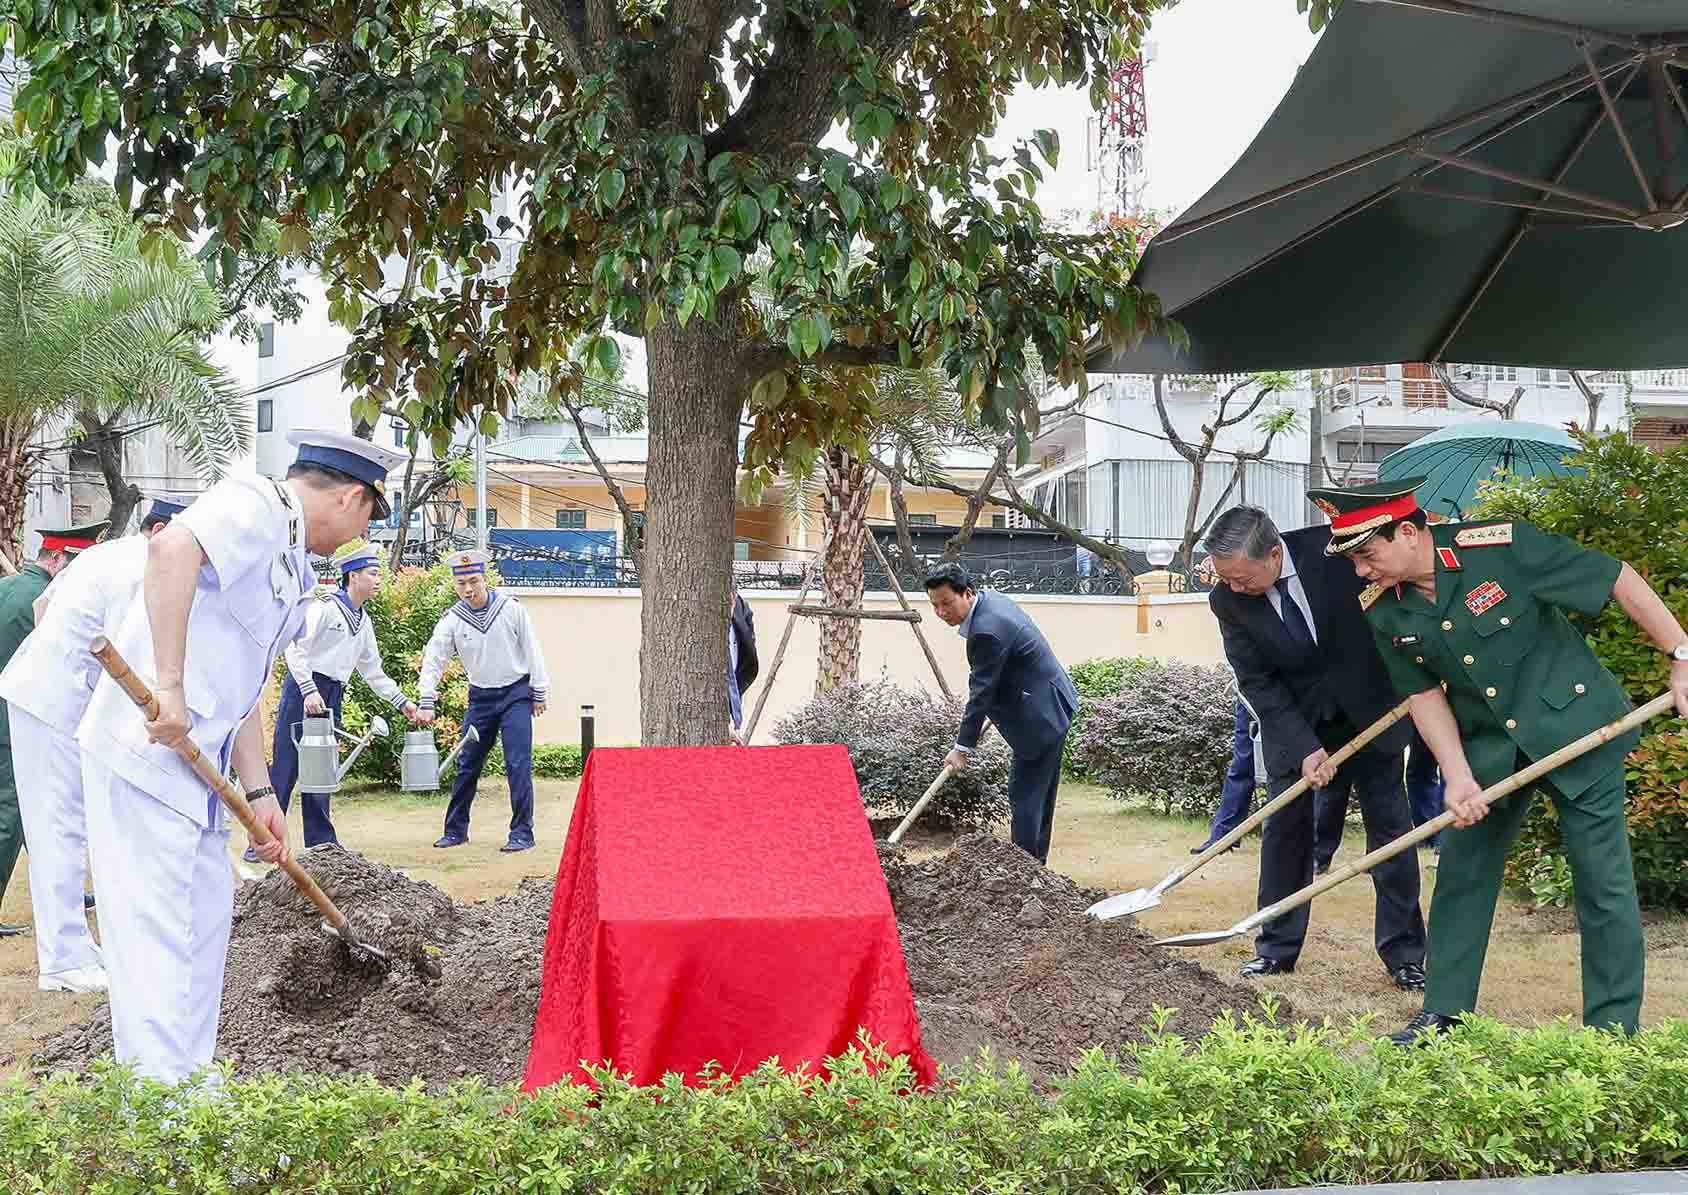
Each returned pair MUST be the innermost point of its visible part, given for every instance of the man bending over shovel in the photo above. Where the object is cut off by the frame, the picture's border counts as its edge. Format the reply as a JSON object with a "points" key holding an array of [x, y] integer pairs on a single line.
{"points": [[1480, 609]]}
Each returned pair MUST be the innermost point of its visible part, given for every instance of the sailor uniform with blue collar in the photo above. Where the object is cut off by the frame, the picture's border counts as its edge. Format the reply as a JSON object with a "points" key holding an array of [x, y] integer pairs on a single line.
{"points": [[506, 670], [47, 685], [338, 639], [156, 833]]}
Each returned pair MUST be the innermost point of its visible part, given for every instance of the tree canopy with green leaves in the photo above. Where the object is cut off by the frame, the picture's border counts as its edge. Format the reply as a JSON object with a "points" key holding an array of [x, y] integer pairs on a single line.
{"points": [[654, 148]]}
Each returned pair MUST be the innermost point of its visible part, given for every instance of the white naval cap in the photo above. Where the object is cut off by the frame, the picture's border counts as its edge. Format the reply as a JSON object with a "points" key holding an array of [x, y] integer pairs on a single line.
{"points": [[364, 460]]}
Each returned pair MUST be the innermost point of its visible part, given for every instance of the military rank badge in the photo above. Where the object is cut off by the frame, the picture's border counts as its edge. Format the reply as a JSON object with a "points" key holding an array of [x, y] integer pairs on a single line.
{"points": [[1484, 597], [1448, 559], [1405, 640]]}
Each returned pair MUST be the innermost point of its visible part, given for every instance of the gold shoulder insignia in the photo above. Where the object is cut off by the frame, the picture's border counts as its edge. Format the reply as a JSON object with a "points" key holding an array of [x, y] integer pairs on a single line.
{"points": [[1369, 595], [1483, 537]]}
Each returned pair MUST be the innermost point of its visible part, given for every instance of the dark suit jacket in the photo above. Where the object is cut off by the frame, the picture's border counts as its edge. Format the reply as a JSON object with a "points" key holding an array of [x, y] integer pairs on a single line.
{"points": [[1014, 680], [1293, 691], [744, 630]]}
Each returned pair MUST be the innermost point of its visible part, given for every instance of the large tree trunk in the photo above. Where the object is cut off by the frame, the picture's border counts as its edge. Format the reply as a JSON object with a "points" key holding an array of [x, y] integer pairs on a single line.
{"points": [[108, 447], [848, 486], [16, 464], [698, 381]]}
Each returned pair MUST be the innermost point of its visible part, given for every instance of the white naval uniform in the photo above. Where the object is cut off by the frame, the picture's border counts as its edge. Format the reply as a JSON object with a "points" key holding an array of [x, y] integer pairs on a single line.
{"points": [[46, 687], [157, 833], [497, 645], [332, 645]]}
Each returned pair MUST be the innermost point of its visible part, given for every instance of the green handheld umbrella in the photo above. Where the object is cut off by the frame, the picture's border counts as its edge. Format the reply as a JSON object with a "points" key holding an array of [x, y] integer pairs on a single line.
{"points": [[1456, 458]]}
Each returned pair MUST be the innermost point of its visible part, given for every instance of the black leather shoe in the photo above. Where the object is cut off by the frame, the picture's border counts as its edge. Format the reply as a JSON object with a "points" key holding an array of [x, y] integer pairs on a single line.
{"points": [[1422, 1028], [1409, 977], [1259, 965], [451, 840], [514, 845], [87, 901], [1320, 869], [1196, 850]]}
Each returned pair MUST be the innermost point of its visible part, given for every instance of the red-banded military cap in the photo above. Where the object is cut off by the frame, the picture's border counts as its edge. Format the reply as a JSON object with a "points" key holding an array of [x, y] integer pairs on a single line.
{"points": [[1359, 512]]}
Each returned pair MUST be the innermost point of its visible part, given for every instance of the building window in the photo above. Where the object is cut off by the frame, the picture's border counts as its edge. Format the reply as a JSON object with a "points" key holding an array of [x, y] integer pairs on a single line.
{"points": [[266, 340], [571, 520], [266, 414], [923, 520], [1369, 453], [999, 520], [470, 513], [401, 430], [1491, 373]]}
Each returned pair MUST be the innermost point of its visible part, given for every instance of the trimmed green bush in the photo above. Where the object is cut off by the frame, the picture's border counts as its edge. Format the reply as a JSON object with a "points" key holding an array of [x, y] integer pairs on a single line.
{"points": [[1096, 680], [1250, 1105], [1165, 737], [1632, 503], [551, 761], [897, 739]]}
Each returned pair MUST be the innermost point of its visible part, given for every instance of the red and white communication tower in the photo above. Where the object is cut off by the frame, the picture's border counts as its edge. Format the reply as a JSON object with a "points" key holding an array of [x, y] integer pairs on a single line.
{"points": [[1120, 129]]}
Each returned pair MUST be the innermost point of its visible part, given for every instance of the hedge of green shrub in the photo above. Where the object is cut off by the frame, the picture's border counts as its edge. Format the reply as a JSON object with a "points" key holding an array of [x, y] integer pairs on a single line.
{"points": [[1095, 681], [1249, 1105], [1628, 501]]}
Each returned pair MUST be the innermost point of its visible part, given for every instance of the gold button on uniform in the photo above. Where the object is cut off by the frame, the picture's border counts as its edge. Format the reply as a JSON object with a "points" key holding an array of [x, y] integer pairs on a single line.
{"points": [[1419, 659], [1581, 689], [1512, 723], [1447, 624], [1490, 690], [1470, 659]]}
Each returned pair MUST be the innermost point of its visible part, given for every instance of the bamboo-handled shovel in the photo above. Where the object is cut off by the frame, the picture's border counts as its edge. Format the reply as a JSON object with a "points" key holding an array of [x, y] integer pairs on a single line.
{"points": [[1490, 795], [920, 805], [1147, 898], [335, 924]]}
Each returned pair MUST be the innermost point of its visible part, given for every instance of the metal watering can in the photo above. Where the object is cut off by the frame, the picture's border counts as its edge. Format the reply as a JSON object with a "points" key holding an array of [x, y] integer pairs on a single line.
{"points": [[420, 767], [320, 769]]}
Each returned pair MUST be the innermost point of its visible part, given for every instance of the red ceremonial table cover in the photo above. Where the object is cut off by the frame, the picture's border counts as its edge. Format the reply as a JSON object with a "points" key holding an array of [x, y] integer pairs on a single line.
{"points": [[719, 905]]}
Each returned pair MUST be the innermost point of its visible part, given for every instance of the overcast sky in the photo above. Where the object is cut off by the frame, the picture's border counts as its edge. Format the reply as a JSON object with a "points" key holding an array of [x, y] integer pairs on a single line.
{"points": [[1219, 67]]}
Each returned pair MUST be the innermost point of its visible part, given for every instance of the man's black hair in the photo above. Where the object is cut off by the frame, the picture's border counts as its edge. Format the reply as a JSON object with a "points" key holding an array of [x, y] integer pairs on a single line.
{"points": [[1417, 519], [319, 477], [952, 574]]}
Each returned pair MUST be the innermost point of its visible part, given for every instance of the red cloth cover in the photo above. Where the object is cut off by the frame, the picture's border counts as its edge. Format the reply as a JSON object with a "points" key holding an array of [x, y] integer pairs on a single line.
{"points": [[719, 904]]}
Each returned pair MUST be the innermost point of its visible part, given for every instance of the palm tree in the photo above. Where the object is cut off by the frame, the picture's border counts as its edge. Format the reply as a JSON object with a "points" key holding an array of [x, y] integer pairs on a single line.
{"points": [[95, 333]]}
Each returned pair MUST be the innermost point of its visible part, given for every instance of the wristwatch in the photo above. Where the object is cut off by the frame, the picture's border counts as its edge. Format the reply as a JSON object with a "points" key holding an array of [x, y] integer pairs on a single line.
{"points": [[259, 794], [1679, 653]]}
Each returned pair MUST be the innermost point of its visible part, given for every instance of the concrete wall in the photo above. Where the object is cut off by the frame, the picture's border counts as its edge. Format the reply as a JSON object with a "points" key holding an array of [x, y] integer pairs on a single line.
{"points": [[591, 640]]}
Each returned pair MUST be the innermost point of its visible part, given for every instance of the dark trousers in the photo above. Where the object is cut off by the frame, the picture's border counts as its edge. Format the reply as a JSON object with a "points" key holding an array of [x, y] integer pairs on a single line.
{"points": [[1286, 860], [1237, 796], [1424, 788], [1032, 782], [284, 771], [1424, 801], [507, 713]]}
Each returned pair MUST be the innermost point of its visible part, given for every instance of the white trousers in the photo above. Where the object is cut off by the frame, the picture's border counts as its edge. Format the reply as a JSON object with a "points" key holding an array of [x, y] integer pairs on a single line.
{"points": [[48, 766], [166, 900]]}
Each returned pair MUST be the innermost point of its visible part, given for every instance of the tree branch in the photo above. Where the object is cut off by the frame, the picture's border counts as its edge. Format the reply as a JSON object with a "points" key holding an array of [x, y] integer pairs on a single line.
{"points": [[629, 530], [1504, 409], [1591, 396], [1246, 412], [1179, 444], [976, 504]]}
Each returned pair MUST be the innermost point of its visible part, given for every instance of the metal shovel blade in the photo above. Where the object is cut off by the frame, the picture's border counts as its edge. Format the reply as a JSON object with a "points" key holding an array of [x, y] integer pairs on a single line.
{"points": [[356, 944], [1125, 904], [1200, 938]]}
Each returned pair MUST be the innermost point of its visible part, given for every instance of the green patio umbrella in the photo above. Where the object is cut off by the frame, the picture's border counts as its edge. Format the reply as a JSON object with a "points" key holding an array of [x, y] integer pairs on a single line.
{"points": [[1456, 458], [1492, 181]]}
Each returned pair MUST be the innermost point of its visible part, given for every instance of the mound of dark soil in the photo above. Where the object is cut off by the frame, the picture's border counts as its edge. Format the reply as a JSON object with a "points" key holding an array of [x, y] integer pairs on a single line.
{"points": [[999, 952]]}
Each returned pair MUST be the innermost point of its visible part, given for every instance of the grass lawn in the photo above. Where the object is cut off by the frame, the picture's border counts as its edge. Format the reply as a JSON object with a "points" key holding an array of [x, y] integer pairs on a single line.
{"points": [[1532, 973]]}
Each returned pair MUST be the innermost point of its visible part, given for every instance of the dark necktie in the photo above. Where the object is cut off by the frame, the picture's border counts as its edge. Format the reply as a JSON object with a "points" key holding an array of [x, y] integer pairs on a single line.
{"points": [[1294, 622]]}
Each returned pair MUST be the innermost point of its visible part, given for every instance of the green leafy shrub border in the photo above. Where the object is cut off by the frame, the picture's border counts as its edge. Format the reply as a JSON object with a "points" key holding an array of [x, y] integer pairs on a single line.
{"points": [[1250, 1105]]}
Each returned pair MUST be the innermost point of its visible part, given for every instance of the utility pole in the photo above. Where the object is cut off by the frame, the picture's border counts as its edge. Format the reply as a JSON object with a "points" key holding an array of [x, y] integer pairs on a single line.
{"points": [[480, 491]]}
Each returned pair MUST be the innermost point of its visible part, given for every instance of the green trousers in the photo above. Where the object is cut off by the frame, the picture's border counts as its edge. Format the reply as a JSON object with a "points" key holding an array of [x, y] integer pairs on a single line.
{"points": [[11, 820], [1468, 879]]}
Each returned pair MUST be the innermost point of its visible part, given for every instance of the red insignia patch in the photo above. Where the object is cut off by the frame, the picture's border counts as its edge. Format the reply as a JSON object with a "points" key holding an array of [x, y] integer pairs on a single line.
{"points": [[1448, 559], [1484, 597]]}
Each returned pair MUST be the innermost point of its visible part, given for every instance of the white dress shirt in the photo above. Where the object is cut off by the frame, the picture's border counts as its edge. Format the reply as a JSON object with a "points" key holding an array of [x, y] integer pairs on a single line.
{"points": [[1295, 591], [337, 641], [497, 645]]}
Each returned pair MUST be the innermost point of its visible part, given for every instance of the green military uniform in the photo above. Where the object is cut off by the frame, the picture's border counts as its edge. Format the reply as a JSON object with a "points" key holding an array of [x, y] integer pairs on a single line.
{"points": [[1522, 683], [17, 619]]}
